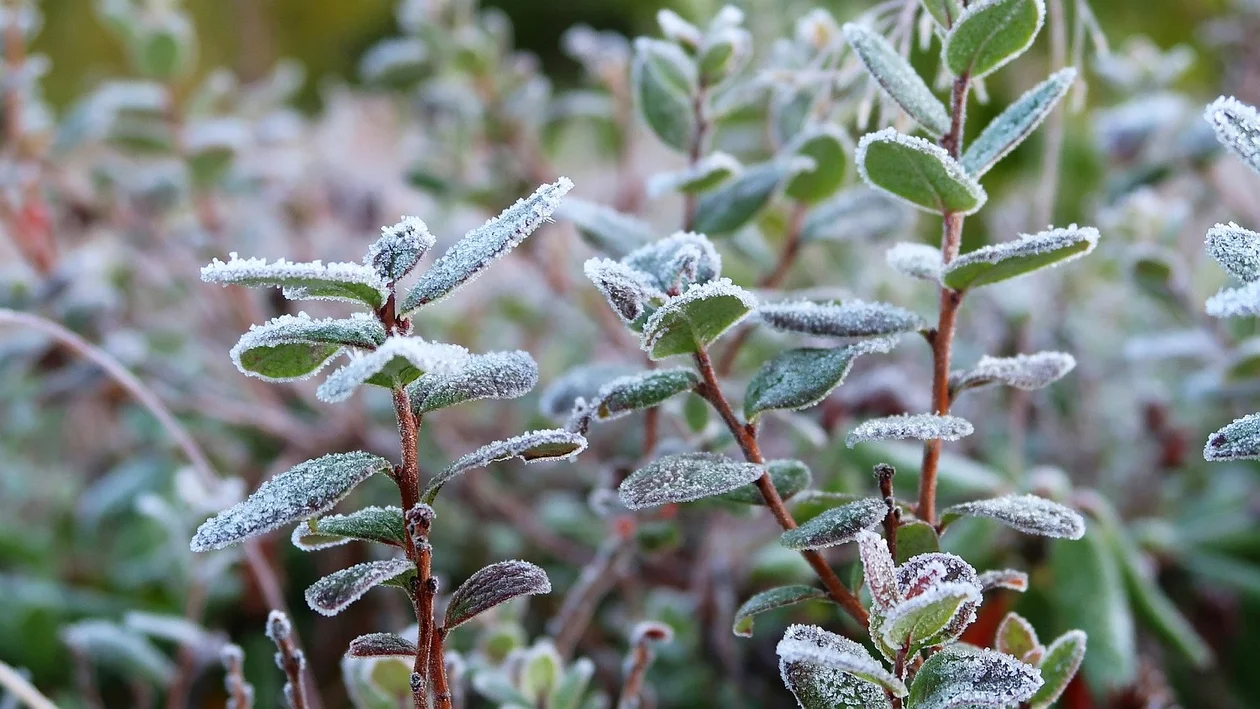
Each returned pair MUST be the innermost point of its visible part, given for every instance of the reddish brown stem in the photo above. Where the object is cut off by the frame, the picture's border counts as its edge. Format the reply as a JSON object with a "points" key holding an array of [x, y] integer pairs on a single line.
{"points": [[746, 436], [884, 474], [437, 669]]}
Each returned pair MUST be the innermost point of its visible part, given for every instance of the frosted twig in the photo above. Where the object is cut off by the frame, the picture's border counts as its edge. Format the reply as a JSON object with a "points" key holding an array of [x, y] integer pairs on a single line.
{"points": [[18, 686]]}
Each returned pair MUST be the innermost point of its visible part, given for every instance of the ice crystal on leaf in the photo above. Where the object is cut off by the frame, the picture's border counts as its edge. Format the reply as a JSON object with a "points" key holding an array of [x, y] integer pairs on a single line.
{"points": [[531, 447], [811, 645], [1017, 122], [1027, 513], [936, 616], [628, 291], [381, 645], [894, 73], [689, 322], [990, 33], [1003, 578], [998, 262], [351, 282], [879, 569], [492, 585], [397, 362], [481, 247], [1236, 249], [399, 249], [1237, 127], [1016, 637], [836, 526], [789, 477], [684, 478], [1025, 372], [305, 491], [383, 525], [663, 260], [854, 318], [635, 392], [964, 676], [770, 599], [800, 378], [918, 171], [1239, 440], [916, 261], [579, 383], [1235, 302], [494, 375], [293, 347], [1058, 665], [923, 427], [333, 593]]}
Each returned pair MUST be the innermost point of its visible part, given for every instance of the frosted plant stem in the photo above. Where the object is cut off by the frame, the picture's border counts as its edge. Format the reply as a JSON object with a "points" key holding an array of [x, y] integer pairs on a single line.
{"points": [[407, 477], [25, 692], [942, 338], [697, 151], [290, 660], [746, 436]]}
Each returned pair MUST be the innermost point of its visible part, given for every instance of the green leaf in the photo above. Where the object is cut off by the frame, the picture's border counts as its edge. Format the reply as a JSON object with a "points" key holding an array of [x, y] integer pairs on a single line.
{"points": [[644, 390], [824, 146], [1016, 123], [494, 375], [381, 645], [770, 599], [924, 620], [811, 503], [480, 248], [999, 262], [397, 362], [1239, 440], [689, 322], [605, 228], [383, 525], [336, 591], [724, 55], [918, 172], [836, 526], [798, 379], [991, 33], [790, 109], [1089, 588], [492, 585], [854, 318], [399, 248], [827, 656], [1023, 372], [305, 491], [915, 538], [1016, 637], [532, 447], [696, 413], [290, 348], [685, 477], [945, 12], [664, 81], [964, 676], [738, 200], [351, 282], [1059, 665], [677, 262], [1027, 513], [706, 174], [894, 73], [789, 477], [1237, 127], [120, 649], [922, 427]]}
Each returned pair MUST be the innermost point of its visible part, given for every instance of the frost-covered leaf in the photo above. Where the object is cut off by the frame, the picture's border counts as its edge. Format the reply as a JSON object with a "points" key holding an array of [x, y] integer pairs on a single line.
{"points": [[1013, 125], [351, 282], [945, 12], [1242, 302], [725, 53], [817, 686], [292, 347], [381, 645], [811, 645], [1237, 127], [1239, 440], [856, 213], [800, 378], [664, 78], [674, 27], [1024, 372], [684, 478], [1004, 578], [855, 318], [333, 593], [964, 676], [629, 291], [923, 427], [1058, 666], [399, 248], [898, 78], [916, 261], [689, 322], [481, 247], [1089, 588], [999, 262], [492, 585], [122, 650], [1027, 513], [677, 262], [611, 231], [383, 525], [919, 172], [494, 375], [1236, 249], [836, 526], [878, 570], [789, 478], [532, 447], [396, 363], [305, 491], [735, 202], [1016, 637], [644, 390], [928, 618], [991, 33], [770, 599], [584, 382], [824, 147], [706, 174]]}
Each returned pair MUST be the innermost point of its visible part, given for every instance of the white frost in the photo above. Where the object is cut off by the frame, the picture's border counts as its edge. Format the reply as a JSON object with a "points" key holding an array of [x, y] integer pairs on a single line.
{"points": [[854, 318], [1025, 372], [333, 593], [916, 261], [493, 375], [812, 645], [424, 356], [879, 569], [684, 478], [1237, 127], [312, 280], [1027, 513], [1238, 302], [400, 247], [359, 330], [923, 427], [1236, 249], [628, 290]]}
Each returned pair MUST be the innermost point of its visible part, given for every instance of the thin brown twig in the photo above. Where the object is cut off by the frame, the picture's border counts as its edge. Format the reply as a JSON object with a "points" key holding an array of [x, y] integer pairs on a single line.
{"points": [[746, 437], [290, 658], [437, 669]]}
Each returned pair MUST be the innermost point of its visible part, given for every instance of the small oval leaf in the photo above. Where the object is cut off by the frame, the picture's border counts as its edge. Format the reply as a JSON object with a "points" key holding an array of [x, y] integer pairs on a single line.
{"points": [[1016, 123], [999, 262], [1027, 513], [293, 347], [494, 375], [961, 675], [916, 261], [854, 318], [923, 427], [706, 174], [684, 478], [919, 172], [811, 645], [789, 477], [333, 593], [381, 645], [737, 201], [1236, 249], [492, 585], [991, 33], [396, 363], [663, 78], [897, 78], [1058, 666], [1023, 372], [836, 526], [1237, 127], [644, 390], [824, 146], [1016, 636], [689, 322], [351, 282], [798, 379], [855, 214], [383, 525], [769, 600], [531, 447]]}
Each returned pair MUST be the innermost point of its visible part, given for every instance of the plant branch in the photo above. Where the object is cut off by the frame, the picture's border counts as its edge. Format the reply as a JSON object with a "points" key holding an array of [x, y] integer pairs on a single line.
{"points": [[23, 690], [690, 202], [884, 474], [746, 437], [437, 669]]}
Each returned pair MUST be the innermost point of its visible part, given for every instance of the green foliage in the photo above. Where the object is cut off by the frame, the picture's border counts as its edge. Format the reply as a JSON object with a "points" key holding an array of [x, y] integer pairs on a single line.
{"points": [[990, 33], [918, 172], [770, 599]]}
